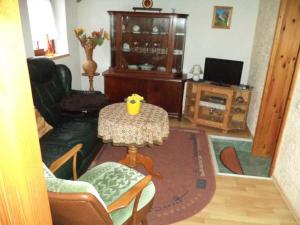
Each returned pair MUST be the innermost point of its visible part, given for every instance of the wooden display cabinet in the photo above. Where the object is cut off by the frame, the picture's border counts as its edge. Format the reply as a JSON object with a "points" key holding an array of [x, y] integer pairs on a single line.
{"points": [[217, 106], [147, 52]]}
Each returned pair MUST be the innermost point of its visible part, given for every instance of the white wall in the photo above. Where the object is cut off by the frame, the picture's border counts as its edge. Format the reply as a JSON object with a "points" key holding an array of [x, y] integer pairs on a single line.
{"points": [[287, 171], [61, 41], [26, 28], [264, 34], [202, 41], [71, 61]]}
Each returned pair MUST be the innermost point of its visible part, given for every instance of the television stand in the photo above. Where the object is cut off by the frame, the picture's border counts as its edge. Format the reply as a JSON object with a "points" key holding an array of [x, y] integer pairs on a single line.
{"points": [[223, 107], [220, 84]]}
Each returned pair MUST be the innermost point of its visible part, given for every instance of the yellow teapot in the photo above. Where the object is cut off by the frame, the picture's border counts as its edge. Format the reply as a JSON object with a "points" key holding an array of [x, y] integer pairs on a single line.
{"points": [[134, 104]]}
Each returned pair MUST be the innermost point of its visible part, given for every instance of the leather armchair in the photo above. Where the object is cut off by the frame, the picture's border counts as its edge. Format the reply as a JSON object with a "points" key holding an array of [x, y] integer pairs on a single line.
{"points": [[52, 92]]}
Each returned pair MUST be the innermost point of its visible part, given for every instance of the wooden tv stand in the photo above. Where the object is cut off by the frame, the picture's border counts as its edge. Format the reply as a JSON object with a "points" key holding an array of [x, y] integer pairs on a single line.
{"points": [[224, 107]]}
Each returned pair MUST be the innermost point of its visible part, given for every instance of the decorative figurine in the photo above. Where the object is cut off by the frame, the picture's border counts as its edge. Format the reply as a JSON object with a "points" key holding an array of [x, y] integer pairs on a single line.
{"points": [[196, 71]]}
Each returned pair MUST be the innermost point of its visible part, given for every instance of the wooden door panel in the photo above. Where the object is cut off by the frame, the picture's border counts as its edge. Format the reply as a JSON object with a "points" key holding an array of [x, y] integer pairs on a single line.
{"points": [[279, 79]]}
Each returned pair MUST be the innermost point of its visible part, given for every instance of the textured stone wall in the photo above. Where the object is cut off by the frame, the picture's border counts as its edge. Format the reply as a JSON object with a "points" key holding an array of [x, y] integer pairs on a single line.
{"points": [[287, 171], [263, 40]]}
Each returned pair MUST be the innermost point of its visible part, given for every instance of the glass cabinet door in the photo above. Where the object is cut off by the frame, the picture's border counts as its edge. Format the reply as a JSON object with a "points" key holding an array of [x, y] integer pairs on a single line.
{"points": [[145, 42], [113, 41], [178, 51]]}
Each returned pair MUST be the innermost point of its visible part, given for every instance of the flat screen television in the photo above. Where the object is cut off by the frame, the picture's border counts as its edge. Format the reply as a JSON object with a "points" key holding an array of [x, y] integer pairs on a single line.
{"points": [[223, 71]]}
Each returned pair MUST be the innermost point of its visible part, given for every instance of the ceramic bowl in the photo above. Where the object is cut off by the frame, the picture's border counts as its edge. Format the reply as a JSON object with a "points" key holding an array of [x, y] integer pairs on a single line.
{"points": [[161, 68], [146, 66], [132, 67]]}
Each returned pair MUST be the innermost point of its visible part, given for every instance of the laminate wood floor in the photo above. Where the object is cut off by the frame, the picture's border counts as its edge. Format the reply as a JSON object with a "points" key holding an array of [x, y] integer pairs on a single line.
{"points": [[185, 123], [240, 201], [244, 201]]}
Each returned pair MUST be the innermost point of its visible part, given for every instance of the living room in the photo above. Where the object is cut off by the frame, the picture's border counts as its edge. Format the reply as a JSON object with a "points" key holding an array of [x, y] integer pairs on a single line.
{"points": [[237, 43]]}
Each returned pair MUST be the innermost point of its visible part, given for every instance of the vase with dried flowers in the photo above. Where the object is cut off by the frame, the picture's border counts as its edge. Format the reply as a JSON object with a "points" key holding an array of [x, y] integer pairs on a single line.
{"points": [[89, 43]]}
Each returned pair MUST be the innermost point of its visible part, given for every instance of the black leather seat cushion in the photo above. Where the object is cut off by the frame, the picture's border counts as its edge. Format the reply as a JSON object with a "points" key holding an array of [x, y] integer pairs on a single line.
{"points": [[68, 134], [83, 103]]}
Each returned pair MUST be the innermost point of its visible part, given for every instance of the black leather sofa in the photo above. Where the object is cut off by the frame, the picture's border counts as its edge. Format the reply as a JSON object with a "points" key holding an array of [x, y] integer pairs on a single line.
{"points": [[53, 97]]}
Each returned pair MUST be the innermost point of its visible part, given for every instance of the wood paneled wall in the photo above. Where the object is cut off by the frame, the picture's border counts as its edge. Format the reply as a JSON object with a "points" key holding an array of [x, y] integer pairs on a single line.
{"points": [[279, 79], [23, 195]]}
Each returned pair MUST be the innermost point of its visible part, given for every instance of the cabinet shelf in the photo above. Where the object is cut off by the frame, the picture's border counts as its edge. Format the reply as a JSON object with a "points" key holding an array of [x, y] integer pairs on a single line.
{"points": [[236, 114], [212, 105], [238, 125], [217, 119], [193, 99], [241, 104], [145, 33], [151, 52]]}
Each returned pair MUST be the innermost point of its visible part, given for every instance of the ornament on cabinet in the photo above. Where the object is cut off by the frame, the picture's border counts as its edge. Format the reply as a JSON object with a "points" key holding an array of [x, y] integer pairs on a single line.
{"points": [[147, 4]]}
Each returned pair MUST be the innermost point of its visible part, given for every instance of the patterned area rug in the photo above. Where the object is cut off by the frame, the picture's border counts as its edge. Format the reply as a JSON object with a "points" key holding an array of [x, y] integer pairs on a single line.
{"points": [[188, 182]]}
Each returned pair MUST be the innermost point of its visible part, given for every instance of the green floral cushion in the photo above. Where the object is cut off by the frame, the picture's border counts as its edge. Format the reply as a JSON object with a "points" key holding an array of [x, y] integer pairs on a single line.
{"points": [[111, 180], [47, 172], [69, 186]]}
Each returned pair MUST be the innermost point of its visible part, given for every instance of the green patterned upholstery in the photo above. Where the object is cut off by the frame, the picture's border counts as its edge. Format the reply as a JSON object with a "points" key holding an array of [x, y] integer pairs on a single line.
{"points": [[111, 180], [55, 184], [107, 182], [47, 172]]}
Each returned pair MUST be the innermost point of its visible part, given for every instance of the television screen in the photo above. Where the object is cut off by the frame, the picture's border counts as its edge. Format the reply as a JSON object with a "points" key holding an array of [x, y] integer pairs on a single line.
{"points": [[223, 71]]}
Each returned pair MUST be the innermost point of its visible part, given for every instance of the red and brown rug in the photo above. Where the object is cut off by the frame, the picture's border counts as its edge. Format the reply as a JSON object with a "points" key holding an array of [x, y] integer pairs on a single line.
{"points": [[188, 182]]}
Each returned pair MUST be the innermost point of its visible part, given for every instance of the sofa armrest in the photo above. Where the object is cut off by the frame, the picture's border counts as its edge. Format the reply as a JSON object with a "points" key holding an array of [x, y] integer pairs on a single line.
{"points": [[64, 158]]}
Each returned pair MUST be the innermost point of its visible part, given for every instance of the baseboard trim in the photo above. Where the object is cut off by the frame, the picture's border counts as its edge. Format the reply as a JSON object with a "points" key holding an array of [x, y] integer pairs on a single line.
{"points": [[286, 200]]}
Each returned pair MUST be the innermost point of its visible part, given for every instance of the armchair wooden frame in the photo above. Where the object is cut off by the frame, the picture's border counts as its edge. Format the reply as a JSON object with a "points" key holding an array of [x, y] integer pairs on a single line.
{"points": [[85, 208]]}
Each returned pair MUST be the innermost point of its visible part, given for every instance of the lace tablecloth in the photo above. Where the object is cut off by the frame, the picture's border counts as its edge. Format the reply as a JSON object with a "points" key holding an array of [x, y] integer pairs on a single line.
{"points": [[149, 127]]}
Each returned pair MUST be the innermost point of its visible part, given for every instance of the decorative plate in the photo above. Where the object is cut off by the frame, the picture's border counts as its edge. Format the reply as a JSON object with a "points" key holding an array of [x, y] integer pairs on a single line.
{"points": [[136, 29]]}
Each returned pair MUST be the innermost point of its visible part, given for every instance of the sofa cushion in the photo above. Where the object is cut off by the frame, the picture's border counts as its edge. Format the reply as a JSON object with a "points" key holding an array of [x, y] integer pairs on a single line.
{"points": [[68, 134], [83, 103]]}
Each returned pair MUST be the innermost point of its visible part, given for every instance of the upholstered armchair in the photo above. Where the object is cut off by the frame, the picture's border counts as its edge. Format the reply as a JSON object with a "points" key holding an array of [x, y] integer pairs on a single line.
{"points": [[109, 193]]}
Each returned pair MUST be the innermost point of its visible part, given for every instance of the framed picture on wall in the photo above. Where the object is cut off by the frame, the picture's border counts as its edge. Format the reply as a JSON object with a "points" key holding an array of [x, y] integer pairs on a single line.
{"points": [[222, 17]]}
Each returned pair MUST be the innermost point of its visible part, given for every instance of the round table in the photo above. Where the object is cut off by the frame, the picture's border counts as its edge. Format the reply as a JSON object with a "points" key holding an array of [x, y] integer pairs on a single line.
{"points": [[149, 127]]}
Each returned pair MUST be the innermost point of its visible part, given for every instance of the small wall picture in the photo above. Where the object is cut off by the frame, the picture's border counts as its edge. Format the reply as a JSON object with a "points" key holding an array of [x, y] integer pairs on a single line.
{"points": [[222, 17]]}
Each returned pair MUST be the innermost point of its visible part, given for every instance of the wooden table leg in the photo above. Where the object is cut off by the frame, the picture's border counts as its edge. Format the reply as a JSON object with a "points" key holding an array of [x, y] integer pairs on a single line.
{"points": [[133, 158], [130, 158]]}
